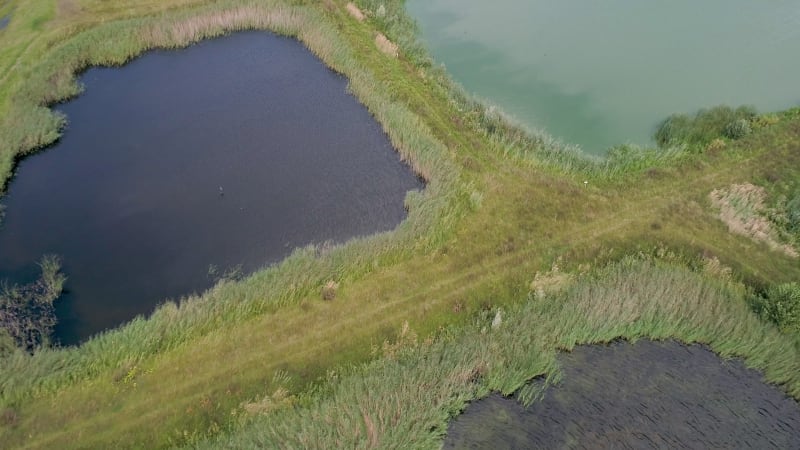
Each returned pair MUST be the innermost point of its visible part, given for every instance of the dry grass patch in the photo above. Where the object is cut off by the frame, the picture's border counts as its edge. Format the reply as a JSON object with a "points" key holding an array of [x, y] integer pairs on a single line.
{"points": [[386, 46], [549, 282], [355, 12], [716, 145], [279, 399], [181, 33], [8, 417], [742, 207], [68, 8], [712, 266], [329, 290]]}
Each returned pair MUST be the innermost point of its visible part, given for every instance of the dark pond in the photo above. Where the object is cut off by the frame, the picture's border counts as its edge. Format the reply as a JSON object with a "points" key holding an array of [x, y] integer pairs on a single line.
{"points": [[4, 21], [231, 152], [643, 395]]}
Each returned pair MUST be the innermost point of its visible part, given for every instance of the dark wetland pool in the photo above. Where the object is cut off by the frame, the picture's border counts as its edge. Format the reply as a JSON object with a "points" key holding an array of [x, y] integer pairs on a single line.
{"points": [[643, 395], [603, 73], [232, 152]]}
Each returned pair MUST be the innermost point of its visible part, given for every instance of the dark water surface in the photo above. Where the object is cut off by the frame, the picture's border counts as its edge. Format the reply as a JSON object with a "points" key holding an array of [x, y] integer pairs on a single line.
{"points": [[231, 152], [4, 21], [632, 396]]}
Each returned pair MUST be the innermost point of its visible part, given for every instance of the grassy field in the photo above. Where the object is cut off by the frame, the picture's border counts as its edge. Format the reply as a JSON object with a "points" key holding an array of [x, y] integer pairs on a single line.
{"points": [[508, 222]]}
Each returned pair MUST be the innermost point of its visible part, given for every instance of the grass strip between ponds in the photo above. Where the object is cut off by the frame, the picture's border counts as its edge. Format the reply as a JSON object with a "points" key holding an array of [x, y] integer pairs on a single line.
{"points": [[500, 206]]}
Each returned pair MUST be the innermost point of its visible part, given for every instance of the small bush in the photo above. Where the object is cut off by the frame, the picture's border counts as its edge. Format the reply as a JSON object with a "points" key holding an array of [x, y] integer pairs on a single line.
{"points": [[705, 126], [673, 130], [738, 129], [781, 306], [27, 316]]}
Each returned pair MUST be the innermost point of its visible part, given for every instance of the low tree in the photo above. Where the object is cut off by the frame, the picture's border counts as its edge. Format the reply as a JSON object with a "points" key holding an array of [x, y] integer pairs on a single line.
{"points": [[27, 316]]}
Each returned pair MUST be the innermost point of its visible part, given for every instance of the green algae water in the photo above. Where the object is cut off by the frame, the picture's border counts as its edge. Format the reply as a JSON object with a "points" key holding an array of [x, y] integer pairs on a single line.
{"points": [[599, 74]]}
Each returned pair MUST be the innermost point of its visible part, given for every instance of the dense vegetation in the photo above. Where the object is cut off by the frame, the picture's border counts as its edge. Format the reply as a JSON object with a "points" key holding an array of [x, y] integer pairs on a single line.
{"points": [[513, 229], [781, 305], [27, 316], [705, 126]]}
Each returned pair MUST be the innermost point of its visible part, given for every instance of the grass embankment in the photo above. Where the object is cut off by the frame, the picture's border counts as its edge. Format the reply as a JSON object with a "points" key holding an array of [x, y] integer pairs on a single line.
{"points": [[500, 206]]}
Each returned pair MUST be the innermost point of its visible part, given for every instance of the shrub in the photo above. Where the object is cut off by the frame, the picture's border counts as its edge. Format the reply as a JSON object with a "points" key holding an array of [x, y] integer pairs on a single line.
{"points": [[27, 316], [738, 129], [781, 305], [672, 130], [705, 126]]}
